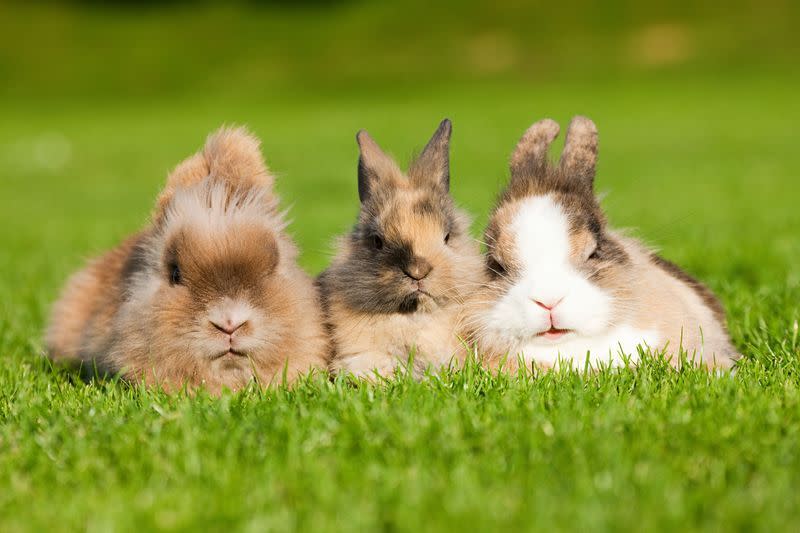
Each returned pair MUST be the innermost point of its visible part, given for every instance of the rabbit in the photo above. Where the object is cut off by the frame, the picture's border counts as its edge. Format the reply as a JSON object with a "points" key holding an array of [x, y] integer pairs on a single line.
{"points": [[208, 294], [559, 284], [396, 286]]}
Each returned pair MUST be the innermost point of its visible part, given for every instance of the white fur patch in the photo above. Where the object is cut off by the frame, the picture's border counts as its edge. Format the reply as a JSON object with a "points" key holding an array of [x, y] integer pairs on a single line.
{"points": [[611, 348], [541, 235]]}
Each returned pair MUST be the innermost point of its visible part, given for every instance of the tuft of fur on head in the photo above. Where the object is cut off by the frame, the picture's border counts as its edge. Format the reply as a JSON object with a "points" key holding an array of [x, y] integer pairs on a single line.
{"points": [[410, 249], [231, 155], [211, 205]]}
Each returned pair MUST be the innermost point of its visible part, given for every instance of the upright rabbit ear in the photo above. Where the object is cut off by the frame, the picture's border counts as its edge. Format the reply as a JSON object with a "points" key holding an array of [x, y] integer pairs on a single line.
{"points": [[579, 158], [530, 156], [432, 167], [374, 166]]}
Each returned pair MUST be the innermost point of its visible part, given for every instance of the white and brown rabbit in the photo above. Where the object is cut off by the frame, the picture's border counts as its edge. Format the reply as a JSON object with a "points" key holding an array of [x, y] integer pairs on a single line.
{"points": [[561, 284], [397, 285], [209, 294]]}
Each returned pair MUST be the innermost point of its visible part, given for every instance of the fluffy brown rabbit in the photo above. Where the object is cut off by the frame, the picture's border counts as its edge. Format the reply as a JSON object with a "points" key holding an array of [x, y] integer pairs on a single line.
{"points": [[397, 284], [209, 294], [561, 284]]}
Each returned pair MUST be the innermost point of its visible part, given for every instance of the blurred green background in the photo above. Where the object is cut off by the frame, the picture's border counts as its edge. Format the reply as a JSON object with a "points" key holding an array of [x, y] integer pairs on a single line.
{"points": [[131, 50], [696, 104]]}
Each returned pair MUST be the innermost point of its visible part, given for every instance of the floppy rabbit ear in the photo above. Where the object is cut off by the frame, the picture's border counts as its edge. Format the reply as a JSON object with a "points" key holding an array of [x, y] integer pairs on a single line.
{"points": [[579, 158], [530, 156], [374, 166], [433, 164]]}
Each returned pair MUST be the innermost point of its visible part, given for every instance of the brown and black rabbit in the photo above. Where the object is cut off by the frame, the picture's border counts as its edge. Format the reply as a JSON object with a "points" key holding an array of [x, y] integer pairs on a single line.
{"points": [[398, 282]]}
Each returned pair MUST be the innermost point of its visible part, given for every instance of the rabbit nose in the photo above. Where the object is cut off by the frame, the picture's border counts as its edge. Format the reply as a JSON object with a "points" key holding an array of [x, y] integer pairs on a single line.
{"points": [[418, 269], [549, 305], [228, 325]]}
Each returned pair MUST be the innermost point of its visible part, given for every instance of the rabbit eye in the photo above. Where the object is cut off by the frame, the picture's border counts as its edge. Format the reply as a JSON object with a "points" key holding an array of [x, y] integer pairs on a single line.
{"points": [[496, 269], [377, 242], [595, 255], [447, 238], [174, 274]]}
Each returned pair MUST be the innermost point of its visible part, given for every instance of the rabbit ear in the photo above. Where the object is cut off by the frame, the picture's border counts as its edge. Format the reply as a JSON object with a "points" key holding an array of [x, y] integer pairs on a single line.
{"points": [[433, 164], [530, 155], [374, 166], [579, 158]]}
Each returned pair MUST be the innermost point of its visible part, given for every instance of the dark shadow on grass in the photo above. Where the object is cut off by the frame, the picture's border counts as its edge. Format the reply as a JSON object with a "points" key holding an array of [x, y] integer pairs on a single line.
{"points": [[83, 373]]}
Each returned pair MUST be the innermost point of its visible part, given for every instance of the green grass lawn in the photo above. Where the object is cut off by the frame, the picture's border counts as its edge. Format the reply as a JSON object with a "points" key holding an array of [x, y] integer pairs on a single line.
{"points": [[705, 168]]}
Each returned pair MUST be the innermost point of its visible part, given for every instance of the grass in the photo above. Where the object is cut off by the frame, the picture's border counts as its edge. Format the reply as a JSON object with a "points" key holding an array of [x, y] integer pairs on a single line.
{"points": [[637, 450], [703, 164]]}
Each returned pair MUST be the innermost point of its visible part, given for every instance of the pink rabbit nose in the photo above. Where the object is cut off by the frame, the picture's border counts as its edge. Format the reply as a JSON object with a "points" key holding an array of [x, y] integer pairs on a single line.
{"points": [[549, 305], [228, 325]]}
